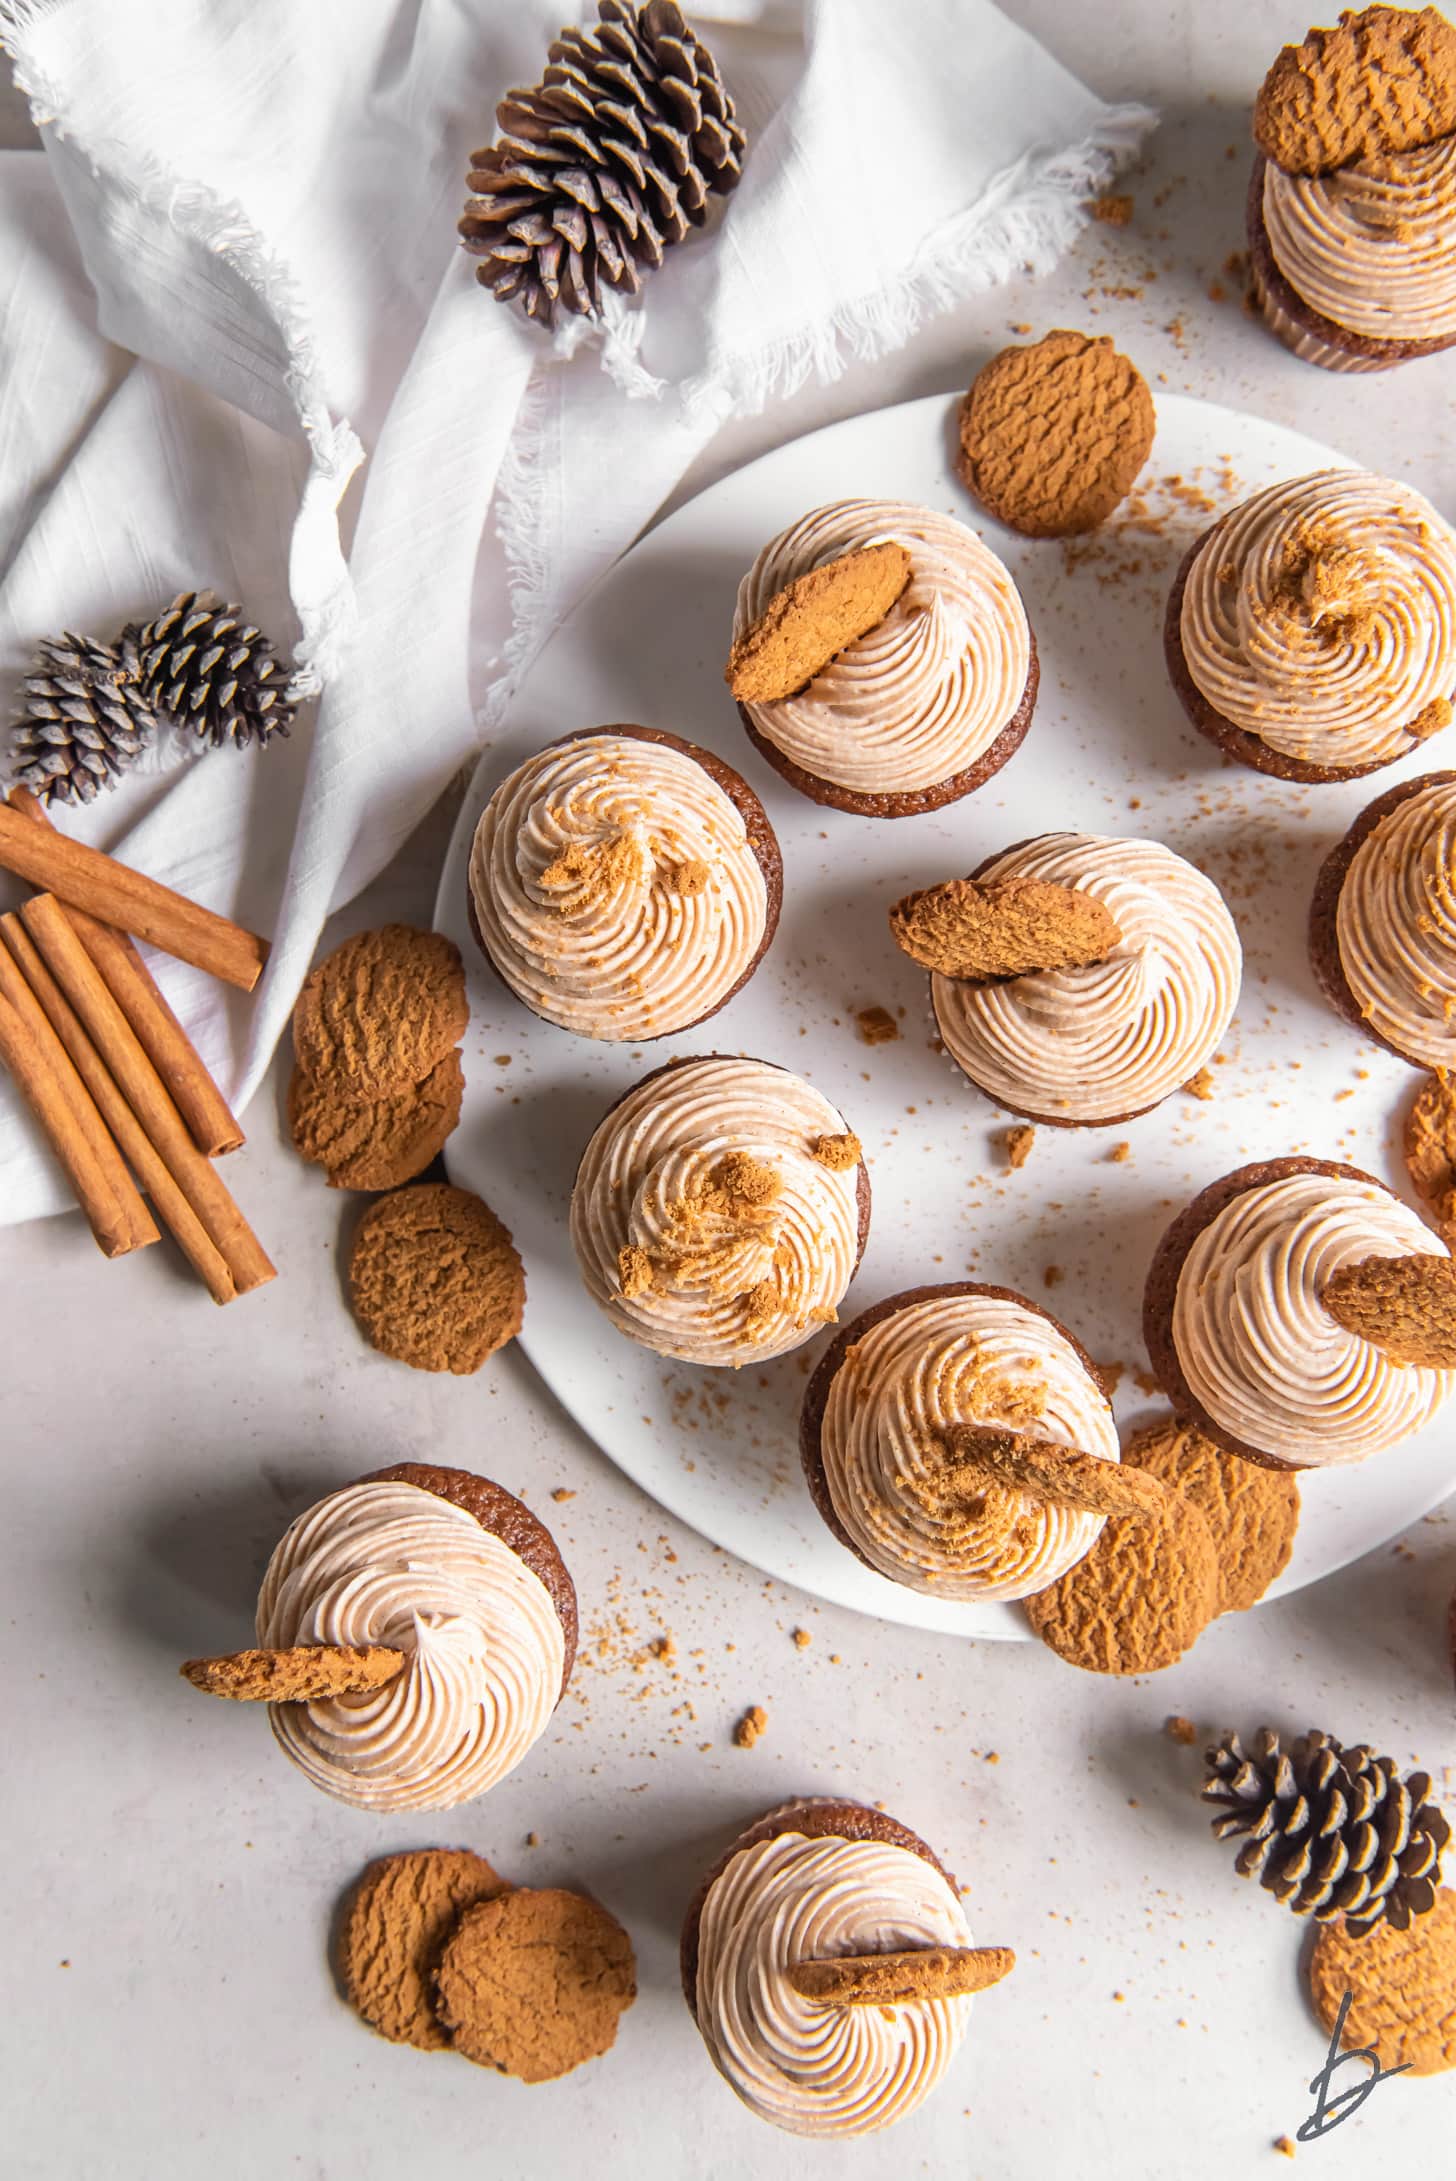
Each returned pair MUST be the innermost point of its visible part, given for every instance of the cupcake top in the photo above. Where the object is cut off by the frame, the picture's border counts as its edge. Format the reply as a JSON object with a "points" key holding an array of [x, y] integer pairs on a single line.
{"points": [[912, 1376], [1395, 925], [616, 888], [922, 696], [1373, 245], [390, 1563], [816, 2070], [1111, 1038], [717, 1211], [1258, 1349], [1320, 616]]}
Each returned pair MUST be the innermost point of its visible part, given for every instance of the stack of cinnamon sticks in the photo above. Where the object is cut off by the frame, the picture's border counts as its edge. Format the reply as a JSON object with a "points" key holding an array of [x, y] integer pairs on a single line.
{"points": [[102, 1061]]}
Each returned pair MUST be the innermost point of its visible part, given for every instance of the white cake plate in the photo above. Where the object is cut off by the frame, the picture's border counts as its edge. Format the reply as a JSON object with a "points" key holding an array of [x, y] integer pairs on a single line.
{"points": [[1109, 751]]}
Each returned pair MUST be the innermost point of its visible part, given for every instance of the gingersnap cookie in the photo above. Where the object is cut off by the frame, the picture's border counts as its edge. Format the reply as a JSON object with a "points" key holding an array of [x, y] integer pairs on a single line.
{"points": [[399, 1916], [1141, 1597], [1002, 927], [1430, 1150], [1382, 81], [435, 1280], [1404, 1987], [534, 1983], [810, 621], [304, 1673], [381, 1012], [1252, 1512], [1053, 435], [376, 1143]]}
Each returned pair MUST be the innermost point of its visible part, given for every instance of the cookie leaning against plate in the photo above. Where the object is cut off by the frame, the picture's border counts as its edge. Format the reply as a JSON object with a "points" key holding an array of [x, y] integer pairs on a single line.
{"points": [[380, 1012]]}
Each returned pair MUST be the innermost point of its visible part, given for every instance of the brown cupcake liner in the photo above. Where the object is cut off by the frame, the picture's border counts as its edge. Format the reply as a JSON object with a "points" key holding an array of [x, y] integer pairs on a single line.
{"points": [[761, 839], [1324, 946], [1165, 1271]]}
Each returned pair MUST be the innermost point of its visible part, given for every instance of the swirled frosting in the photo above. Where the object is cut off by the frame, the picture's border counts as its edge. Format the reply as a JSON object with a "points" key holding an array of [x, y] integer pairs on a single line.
{"points": [[705, 1224], [1395, 926], [1099, 1043], [1259, 1350], [484, 1648], [914, 1375], [1321, 616], [812, 2069], [616, 888], [1373, 245], [924, 695]]}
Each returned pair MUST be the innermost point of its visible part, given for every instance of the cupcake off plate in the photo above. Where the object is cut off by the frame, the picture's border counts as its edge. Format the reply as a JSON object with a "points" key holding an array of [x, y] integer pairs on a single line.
{"points": [[1109, 751]]}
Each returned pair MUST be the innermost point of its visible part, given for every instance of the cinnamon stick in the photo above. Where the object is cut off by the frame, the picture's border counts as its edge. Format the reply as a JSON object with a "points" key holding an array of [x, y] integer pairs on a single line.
{"points": [[167, 1045], [143, 1089], [43, 1077], [168, 1199], [85, 879]]}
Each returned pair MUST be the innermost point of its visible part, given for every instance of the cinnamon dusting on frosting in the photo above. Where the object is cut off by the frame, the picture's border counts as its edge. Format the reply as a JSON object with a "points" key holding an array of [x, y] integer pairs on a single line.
{"points": [[634, 1271]]}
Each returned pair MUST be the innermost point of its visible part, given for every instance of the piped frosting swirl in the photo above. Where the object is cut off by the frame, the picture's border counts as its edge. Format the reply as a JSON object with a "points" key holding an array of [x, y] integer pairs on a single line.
{"points": [[616, 888], [1320, 616], [1261, 1353], [387, 1562], [923, 696], [811, 2069], [1373, 245], [911, 1378], [1099, 1043], [712, 1217], [1395, 926]]}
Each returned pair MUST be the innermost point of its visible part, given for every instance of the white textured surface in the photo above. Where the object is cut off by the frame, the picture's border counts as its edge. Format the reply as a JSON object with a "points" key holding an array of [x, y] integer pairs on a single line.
{"points": [[155, 1447]]}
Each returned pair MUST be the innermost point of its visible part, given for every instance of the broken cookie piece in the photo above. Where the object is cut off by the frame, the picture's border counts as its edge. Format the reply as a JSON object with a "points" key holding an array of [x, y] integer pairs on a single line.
{"points": [[813, 619], [1008, 927]]}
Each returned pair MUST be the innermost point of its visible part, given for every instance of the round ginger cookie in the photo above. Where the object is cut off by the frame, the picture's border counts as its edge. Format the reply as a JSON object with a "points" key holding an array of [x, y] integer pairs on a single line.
{"points": [[1139, 1599], [533, 1982], [1052, 435], [435, 1280], [381, 1012], [1404, 1987], [377, 1143], [1252, 1512], [399, 1916]]}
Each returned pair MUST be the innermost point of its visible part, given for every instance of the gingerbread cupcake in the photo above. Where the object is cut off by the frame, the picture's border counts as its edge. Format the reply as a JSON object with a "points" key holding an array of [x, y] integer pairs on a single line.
{"points": [[883, 1434], [1382, 930], [1292, 1311], [1311, 633], [920, 707], [828, 1965], [1076, 979], [1352, 201], [455, 1574], [720, 1211], [624, 883]]}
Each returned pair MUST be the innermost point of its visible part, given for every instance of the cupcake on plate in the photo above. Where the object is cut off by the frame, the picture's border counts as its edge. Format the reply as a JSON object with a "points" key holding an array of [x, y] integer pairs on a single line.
{"points": [[624, 883], [1311, 633], [720, 1211], [1352, 201], [1076, 979], [895, 708], [1382, 931], [880, 1428], [828, 1965], [456, 1574], [1248, 1325]]}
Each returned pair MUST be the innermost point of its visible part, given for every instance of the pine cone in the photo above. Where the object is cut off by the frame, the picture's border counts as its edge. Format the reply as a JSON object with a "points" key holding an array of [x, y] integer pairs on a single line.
{"points": [[1331, 1831], [83, 717], [208, 669], [604, 164]]}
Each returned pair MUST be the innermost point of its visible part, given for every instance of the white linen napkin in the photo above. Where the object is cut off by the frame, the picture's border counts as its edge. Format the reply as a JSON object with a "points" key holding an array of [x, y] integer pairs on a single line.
{"points": [[234, 279]]}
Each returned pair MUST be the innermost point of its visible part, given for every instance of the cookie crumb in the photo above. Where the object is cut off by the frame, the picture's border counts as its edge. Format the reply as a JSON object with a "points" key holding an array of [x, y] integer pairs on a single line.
{"points": [[1430, 721], [563, 1492], [1112, 210], [1284, 2147], [750, 1727], [691, 877], [1017, 1144], [1179, 1729], [1200, 1085], [532, 1840], [877, 1026], [1051, 1276], [802, 1639], [1120, 1154], [838, 1153]]}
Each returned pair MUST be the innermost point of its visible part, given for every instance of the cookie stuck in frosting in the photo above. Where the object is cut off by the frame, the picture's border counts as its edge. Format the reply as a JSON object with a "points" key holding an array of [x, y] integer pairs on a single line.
{"points": [[812, 619], [298, 1674], [1430, 1150], [975, 1457], [898, 1979], [1383, 80], [1002, 927], [1404, 1306]]}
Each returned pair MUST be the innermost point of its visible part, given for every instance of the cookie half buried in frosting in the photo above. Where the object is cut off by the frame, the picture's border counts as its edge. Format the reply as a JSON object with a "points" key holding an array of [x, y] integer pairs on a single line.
{"points": [[815, 1880], [624, 883], [1088, 1046], [876, 1436], [924, 707], [1311, 633], [1382, 930], [720, 1211], [456, 1573], [1238, 1335]]}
